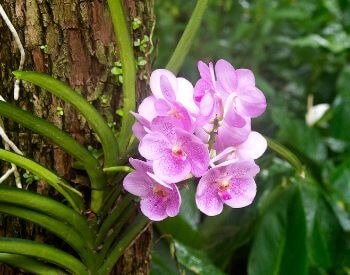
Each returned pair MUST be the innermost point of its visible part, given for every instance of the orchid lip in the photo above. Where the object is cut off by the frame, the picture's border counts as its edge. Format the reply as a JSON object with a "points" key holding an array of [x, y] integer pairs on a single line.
{"points": [[178, 152], [175, 113], [160, 192]]}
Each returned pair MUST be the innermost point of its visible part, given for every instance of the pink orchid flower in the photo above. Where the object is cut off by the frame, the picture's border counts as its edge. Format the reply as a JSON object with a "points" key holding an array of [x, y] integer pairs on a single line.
{"points": [[158, 199], [174, 152], [232, 185], [236, 88]]}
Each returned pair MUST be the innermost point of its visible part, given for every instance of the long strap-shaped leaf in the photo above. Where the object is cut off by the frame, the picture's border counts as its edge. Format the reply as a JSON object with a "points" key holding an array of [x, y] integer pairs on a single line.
{"points": [[30, 264], [63, 140], [113, 218], [187, 37], [44, 252], [47, 206], [73, 196], [127, 59], [64, 231], [132, 232], [66, 93]]}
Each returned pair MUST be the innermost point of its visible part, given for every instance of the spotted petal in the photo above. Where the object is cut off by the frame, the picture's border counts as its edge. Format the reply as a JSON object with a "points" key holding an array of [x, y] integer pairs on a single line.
{"points": [[242, 192], [171, 168], [207, 199], [154, 146]]}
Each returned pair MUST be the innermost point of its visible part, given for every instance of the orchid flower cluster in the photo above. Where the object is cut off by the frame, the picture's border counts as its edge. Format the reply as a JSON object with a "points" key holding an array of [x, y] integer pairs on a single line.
{"points": [[203, 132]]}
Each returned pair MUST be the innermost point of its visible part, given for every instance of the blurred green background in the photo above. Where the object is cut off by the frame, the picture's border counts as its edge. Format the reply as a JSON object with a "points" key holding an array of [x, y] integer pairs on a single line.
{"points": [[299, 52]]}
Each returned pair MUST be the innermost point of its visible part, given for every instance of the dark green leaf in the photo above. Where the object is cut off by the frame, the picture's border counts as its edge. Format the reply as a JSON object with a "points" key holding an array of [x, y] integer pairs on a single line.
{"points": [[279, 245], [195, 260], [30, 264], [162, 262], [73, 196], [305, 140], [44, 252], [67, 94]]}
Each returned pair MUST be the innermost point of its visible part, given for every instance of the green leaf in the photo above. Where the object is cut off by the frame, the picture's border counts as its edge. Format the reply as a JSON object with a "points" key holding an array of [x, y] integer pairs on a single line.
{"points": [[224, 234], [162, 262], [112, 218], [47, 206], [195, 260], [62, 139], [44, 252], [29, 264], [127, 59], [60, 229], [287, 155], [73, 196], [339, 124], [185, 42], [128, 237], [305, 140], [67, 94], [279, 246]]}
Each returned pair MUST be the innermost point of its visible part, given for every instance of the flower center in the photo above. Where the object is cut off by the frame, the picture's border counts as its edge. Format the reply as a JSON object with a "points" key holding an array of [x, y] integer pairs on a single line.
{"points": [[160, 192], [175, 113], [223, 186], [178, 152]]}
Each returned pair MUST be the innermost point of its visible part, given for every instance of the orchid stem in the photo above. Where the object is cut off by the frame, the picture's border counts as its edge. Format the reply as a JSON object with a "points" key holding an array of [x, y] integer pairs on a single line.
{"points": [[287, 155]]}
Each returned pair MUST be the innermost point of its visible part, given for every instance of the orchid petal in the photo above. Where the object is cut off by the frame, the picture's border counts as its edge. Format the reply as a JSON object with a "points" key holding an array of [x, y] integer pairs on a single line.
{"points": [[154, 208], [140, 166], [137, 184], [252, 102], [203, 70], [154, 145], [225, 75], [198, 156], [155, 80], [147, 109], [242, 192], [174, 202], [245, 78], [171, 169], [167, 89], [207, 199], [184, 95], [243, 169], [253, 147]]}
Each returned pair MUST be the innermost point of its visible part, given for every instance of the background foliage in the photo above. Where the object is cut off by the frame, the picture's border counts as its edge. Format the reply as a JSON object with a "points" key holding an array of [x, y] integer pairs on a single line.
{"points": [[298, 224]]}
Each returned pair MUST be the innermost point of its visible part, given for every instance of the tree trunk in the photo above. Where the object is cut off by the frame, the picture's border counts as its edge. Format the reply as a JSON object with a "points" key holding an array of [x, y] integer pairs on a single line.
{"points": [[72, 40]]}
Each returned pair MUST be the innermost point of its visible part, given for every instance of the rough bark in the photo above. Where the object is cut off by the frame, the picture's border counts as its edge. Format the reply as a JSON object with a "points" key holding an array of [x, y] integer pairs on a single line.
{"points": [[72, 40]]}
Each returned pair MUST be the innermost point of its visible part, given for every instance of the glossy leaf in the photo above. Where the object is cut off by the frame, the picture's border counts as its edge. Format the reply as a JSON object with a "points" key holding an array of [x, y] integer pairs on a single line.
{"points": [[62, 139], [60, 229], [67, 94], [162, 262], [48, 206], [287, 155], [30, 264], [44, 252], [73, 196], [279, 246], [339, 123], [126, 239], [127, 59], [226, 233], [305, 140], [195, 260]]}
